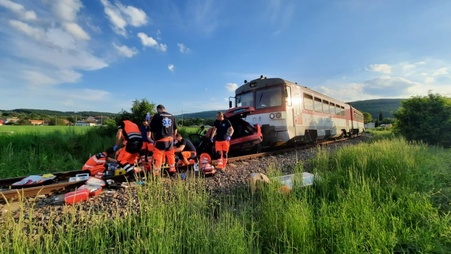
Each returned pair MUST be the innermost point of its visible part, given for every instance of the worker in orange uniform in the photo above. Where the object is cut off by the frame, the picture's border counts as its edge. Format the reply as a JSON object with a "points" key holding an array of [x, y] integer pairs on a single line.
{"points": [[129, 134], [221, 135], [96, 163], [184, 149], [163, 128]]}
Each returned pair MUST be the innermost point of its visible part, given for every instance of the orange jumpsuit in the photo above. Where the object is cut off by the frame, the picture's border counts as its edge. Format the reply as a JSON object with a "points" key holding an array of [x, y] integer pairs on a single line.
{"points": [[96, 163], [127, 156]]}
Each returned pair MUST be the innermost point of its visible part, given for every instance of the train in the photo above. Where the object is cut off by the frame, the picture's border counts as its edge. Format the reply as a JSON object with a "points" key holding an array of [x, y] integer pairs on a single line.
{"points": [[274, 112], [288, 113]]}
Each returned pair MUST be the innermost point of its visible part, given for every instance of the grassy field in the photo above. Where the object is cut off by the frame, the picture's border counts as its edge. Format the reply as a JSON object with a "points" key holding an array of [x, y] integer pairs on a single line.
{"points": [[28, 150], [388, 196]]}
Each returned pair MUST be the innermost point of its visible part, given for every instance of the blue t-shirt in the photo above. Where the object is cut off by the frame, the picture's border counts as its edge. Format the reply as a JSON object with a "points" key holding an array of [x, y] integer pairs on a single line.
{"points": [[144, 131]]}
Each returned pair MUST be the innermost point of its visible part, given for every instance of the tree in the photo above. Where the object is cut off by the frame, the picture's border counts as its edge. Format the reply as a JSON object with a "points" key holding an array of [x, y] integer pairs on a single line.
{"points": [[56, 121], [138, 111], [426, 119], [381, 116], [23, 122], [367, 117]]}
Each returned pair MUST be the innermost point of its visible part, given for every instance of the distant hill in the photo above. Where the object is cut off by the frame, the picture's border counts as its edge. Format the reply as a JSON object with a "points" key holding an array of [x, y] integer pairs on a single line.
{"points": [[203, 114], [386, 106], [57, 113]]}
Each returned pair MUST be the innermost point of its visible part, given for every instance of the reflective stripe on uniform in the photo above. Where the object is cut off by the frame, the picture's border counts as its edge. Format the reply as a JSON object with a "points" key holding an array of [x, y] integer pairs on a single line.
{"points": [[99, 161], [133, 135], [128, 167]]}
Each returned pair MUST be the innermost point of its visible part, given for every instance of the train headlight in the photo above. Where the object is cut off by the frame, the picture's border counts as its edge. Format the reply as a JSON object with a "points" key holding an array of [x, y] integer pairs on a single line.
{"points": [[271, 116], [278, 115]]}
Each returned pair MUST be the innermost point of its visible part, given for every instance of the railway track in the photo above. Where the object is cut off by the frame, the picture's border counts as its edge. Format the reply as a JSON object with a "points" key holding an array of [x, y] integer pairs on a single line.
{"points": [[61, 183]]}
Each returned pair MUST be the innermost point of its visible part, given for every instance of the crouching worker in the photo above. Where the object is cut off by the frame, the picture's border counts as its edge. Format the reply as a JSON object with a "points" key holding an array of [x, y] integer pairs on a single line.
{"points": [[97, 163], [130, 135], [184, 149]]}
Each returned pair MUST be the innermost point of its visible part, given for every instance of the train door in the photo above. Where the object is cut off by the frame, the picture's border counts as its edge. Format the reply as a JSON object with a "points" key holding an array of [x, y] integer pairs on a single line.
{"points": [[290, 111], [297, 111], [328, 123]]}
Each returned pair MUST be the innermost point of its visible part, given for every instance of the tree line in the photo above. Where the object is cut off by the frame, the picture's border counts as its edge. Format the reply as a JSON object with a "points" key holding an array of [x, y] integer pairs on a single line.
{"points": [[420, 118]]}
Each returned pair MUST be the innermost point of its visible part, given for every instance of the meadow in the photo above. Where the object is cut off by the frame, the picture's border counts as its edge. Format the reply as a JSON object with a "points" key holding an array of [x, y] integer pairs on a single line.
{"points": [[386, 196], [28, 150]]}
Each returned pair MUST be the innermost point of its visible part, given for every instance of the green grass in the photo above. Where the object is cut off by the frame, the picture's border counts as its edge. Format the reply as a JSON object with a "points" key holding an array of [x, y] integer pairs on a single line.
{"points": [[14, 130], [26, 150], [389, 196]]}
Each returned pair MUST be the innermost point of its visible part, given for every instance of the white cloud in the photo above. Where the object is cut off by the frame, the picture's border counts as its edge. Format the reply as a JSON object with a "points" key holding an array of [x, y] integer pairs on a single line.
{"points": [[26, 29], [75, 30], [171, 67], [182, 48], [388, 86], [94, 95], [231, 87], [65, 11], [50, 51], [19, 10], [121, 16], [441, 72], [148, 41], [381, 68], [38, 78], [135, 17], [405, 79], [125, 51]]}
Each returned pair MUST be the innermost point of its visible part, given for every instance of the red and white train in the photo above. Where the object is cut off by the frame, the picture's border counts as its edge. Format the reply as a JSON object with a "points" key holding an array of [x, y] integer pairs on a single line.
{"points": [[268, 112]]}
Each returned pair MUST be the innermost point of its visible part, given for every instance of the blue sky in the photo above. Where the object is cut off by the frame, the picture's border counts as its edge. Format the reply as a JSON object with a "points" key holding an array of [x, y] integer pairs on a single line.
{"points": [[100, 55]]}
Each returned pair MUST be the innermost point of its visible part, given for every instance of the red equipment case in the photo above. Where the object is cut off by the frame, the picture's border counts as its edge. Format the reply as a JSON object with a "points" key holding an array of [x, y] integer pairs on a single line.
{"points": [[76, 196]]}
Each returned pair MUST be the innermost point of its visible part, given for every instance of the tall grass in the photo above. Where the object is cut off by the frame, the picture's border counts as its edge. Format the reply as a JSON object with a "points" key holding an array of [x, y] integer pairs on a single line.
{"points": [[383, 197], [43, 149], [28, 150]]}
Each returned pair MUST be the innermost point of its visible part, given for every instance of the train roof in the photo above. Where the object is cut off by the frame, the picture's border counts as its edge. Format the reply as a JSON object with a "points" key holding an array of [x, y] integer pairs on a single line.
{"points": [[260, 82], [264, 82]]}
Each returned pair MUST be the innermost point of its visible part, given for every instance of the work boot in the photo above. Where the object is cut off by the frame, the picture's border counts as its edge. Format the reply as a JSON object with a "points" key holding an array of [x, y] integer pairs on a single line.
{"points": [[172, 168], [220, 164]]}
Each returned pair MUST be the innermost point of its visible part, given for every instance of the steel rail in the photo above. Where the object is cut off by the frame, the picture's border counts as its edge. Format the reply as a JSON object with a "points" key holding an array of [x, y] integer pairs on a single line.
{"points": [[17, 194], [63, 184]]}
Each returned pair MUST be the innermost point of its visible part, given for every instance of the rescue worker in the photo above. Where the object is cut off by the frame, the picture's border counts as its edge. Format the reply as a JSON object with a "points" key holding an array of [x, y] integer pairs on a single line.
{"points": [[97, 163], [184, 149], [145, 133], [202, 131], [163, 128], [129, 134], [221, 135]]}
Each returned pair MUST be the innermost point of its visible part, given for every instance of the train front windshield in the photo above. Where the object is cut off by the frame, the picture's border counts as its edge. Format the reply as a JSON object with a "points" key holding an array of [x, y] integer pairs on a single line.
{"points": [[264, 98], [245, 99]]}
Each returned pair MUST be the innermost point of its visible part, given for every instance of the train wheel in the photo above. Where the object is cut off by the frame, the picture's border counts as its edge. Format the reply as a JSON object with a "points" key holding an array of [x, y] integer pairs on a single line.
{"points": [[257, 148]]}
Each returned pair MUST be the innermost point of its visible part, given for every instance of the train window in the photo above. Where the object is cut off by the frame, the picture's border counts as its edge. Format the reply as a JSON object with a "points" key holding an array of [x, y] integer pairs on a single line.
{"points": [[342, 111], [326, 107], [245, 99], [318, 105], [337, 110], [268, 97], [332, 109], [308, 102]]}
